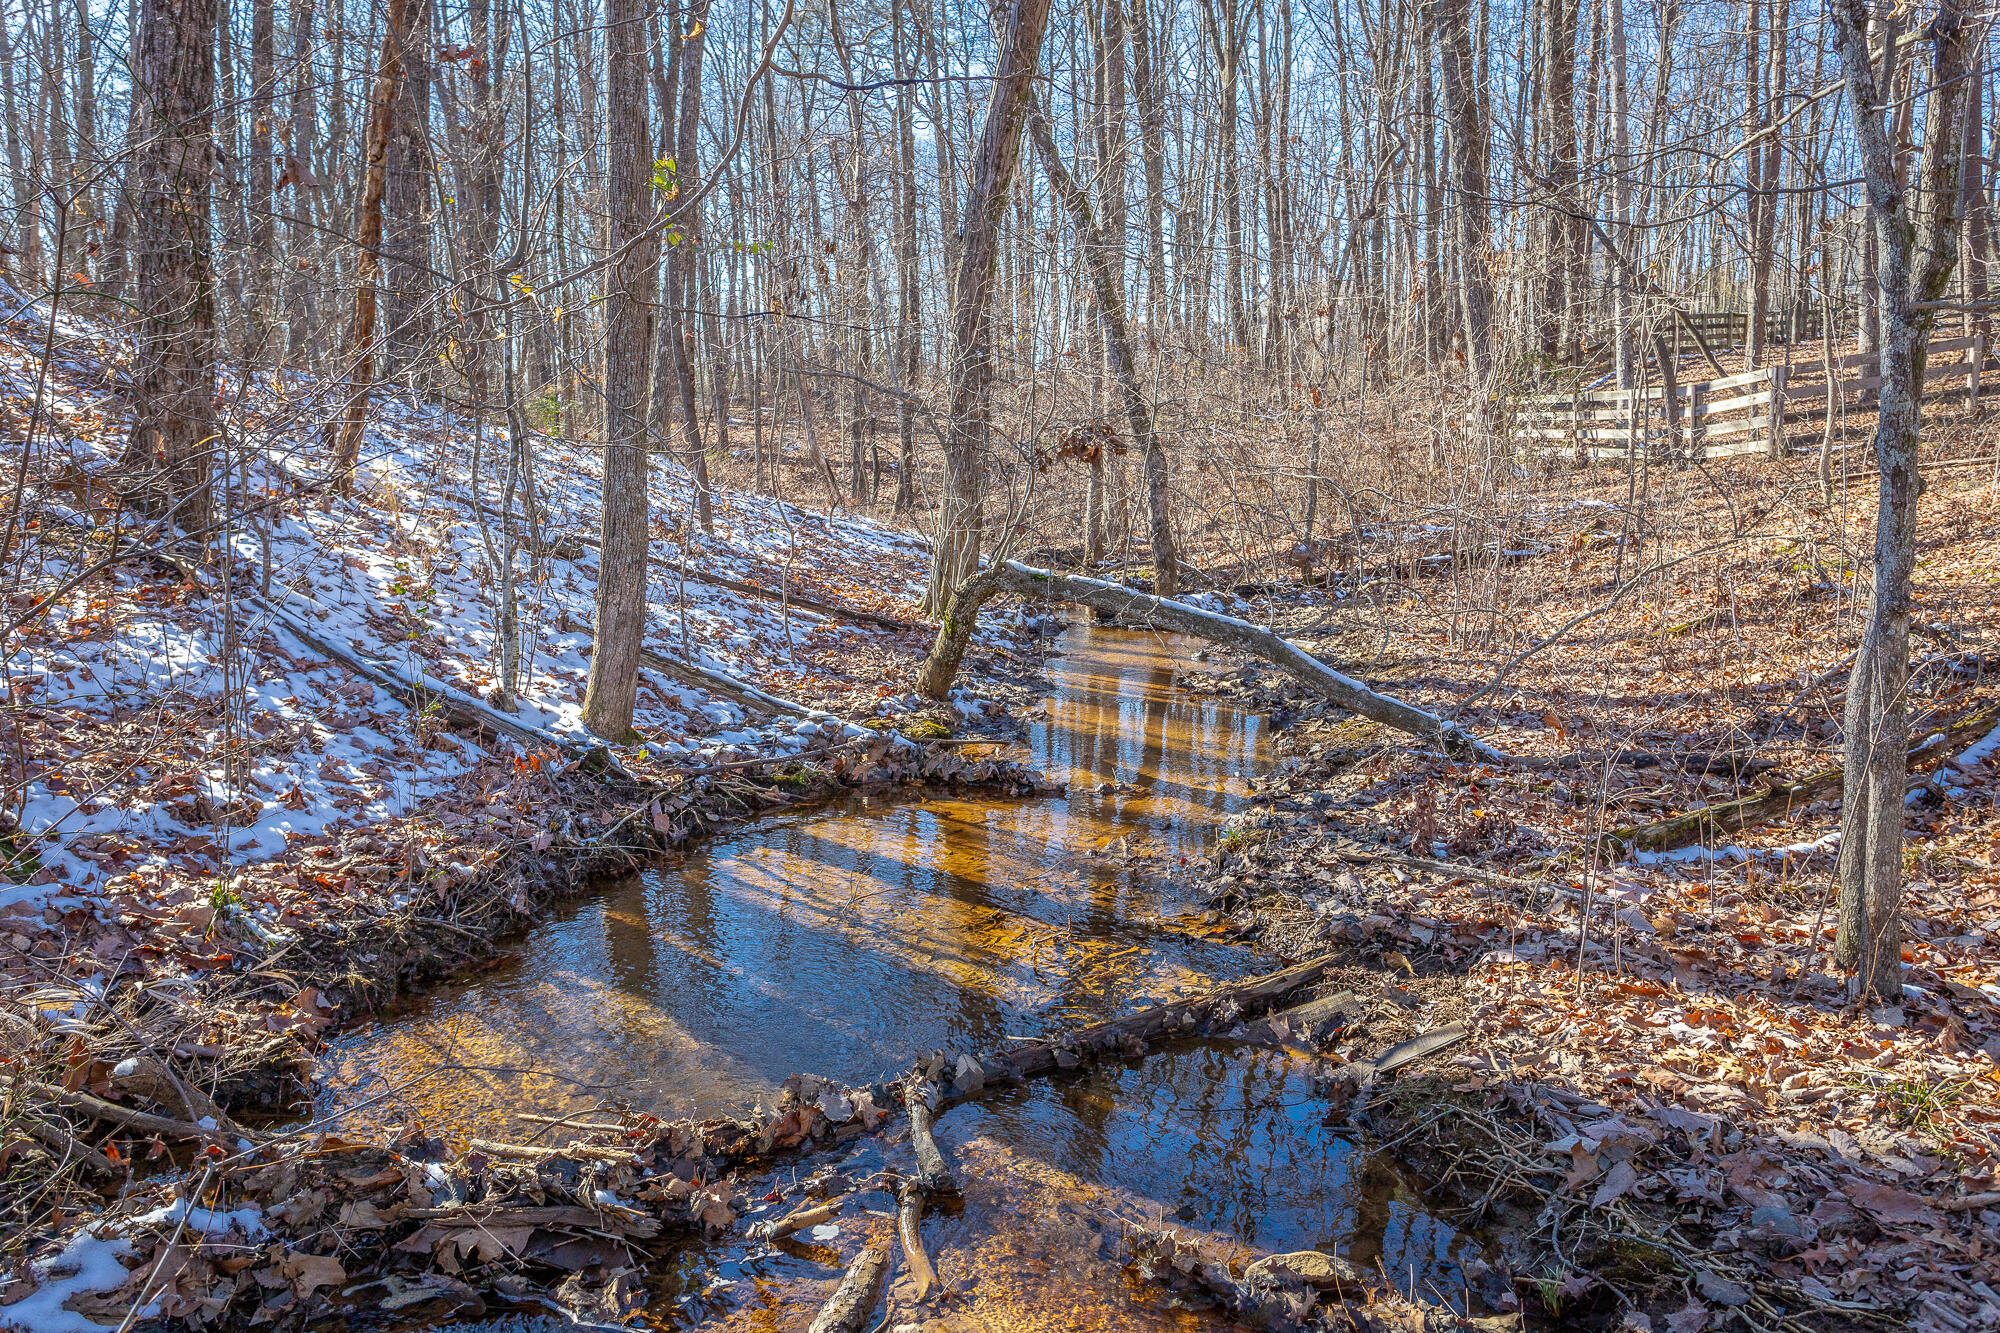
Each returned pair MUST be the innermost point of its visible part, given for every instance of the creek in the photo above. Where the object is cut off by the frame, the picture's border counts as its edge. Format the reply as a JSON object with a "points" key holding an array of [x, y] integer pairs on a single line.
{"points": [[846, 939]]}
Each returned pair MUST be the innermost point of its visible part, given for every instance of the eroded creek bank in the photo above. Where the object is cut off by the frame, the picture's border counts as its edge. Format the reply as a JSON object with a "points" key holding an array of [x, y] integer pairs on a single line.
{"points": [[848, 940]]}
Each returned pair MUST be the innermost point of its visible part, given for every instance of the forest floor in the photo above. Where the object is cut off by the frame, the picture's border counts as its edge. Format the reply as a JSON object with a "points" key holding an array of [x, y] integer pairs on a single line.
{"points": [[1661, 1057], [212, 864], [1660, 1087]]}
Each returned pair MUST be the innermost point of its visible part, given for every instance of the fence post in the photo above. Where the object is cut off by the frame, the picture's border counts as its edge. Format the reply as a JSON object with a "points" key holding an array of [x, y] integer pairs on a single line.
{"points": [[1697, 421], [1779, 374], [1978, 364]]}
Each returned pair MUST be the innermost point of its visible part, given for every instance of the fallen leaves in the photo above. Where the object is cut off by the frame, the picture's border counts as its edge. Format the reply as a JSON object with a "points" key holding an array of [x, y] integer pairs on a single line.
{"points": [[1891, 1207]]}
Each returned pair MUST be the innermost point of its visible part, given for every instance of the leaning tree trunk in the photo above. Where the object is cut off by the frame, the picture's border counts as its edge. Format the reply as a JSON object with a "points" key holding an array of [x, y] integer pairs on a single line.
{"points": [[1918, 251], [1100, 252], [360, 351], [1115, 599], [956, 555], [173, 396], [613, 688]]}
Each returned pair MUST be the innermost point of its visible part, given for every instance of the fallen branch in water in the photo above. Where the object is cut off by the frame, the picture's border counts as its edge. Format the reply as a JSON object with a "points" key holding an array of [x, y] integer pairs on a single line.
{"points": [[811, 1215], [1135, 1033], [933, 1172], [848, 1309], [531, 1152], [909, 1220]]}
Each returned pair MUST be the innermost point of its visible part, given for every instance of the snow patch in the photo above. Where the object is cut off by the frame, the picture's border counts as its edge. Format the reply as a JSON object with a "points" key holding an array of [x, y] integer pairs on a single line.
{"points": [[87, 1265]]}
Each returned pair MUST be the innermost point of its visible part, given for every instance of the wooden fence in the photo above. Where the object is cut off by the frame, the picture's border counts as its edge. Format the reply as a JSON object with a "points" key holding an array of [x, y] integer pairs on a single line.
{"points": [[1718, 330], [1731, 328], [1720, 418]]}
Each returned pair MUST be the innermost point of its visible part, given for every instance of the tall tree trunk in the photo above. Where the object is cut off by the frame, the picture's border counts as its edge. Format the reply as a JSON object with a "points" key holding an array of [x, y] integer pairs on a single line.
{"points": [[666, 76], [406, 229], [1918, 249], [301, 241], [1104, 258], [1621, 192], [170, 452], [89, 153], [855, 266], [1761, 215], [20, 178], [1559, 127], [1466, 131], [1224, 27], [956, 551], [360, 348], [612, 691], [681, 296], [909, 296], [262, 266], [1152, 156]]}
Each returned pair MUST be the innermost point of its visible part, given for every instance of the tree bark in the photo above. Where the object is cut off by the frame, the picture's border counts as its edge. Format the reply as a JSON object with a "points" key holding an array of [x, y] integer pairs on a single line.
{"points": [[1918, 248], [611, 693], [957, 546], [169, 452], [406, 232], [360, 350], [1466, 129]]}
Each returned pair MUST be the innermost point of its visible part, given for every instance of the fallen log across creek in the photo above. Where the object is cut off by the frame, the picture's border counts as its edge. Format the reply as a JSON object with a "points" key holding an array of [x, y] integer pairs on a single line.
{"points": [[1116, 599], [1134, 1034]]}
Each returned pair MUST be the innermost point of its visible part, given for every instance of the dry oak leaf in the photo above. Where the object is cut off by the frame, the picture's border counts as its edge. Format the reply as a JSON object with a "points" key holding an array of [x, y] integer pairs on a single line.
{"points": [[309, 1271]]}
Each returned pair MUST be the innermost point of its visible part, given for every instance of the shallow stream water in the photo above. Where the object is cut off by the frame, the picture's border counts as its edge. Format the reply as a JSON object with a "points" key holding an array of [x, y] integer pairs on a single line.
{"points": [[845, 940]]}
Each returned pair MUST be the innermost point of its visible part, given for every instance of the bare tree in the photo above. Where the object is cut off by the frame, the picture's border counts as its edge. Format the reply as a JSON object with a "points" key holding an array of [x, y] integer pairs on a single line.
{"points": [[1918, 245], [613, 687], [956, 557], [360, 349], [168, 454]]}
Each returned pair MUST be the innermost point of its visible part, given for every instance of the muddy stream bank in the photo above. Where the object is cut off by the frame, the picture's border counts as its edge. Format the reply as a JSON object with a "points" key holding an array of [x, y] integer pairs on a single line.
{"points": [[850, 938]]}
